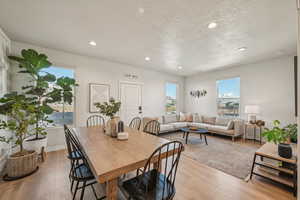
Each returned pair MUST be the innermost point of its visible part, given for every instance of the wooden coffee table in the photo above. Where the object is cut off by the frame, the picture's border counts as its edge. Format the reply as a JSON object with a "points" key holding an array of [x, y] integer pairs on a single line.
{"points": [[201, 131], [268, 166]]}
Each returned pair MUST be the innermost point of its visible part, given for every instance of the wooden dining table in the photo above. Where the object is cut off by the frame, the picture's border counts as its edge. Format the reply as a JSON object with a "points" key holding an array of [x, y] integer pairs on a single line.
{"points": [[110, 158]]}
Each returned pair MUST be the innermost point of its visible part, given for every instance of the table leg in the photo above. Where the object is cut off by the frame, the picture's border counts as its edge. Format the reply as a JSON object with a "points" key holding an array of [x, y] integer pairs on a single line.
{"points": [[183, 134], [205, 139], [260, 130], [200, 136], [254, 134], [186, 137], [253, 164], [111, 189]]}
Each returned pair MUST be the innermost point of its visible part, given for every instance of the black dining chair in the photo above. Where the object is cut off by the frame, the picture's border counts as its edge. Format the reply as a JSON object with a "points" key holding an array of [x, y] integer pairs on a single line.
{"points": [[157, 180], [80, 171], [135, 123], [95, 120], [73, 155], [152, 127]]}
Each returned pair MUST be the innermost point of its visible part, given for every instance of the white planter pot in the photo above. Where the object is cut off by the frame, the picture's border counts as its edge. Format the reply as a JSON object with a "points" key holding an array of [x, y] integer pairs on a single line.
{"points": [[36, 145]]}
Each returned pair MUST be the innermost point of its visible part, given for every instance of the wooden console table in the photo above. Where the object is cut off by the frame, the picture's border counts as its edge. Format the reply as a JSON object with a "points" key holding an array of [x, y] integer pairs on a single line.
{"points": [[268, 166]]}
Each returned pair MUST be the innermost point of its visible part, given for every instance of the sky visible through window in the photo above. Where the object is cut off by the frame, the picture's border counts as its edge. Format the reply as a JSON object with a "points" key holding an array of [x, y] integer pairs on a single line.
{"points": [[63, 114], [59, 72], [171, 90], [229, 88]]}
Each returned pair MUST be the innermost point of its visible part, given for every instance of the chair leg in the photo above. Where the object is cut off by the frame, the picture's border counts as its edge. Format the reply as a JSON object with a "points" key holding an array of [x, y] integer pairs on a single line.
{"points": [[82, 190], [76, 188], [72, 183]]}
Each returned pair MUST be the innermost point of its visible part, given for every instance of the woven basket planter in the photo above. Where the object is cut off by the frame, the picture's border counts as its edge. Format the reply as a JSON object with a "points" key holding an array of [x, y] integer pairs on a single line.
{"points": [[18, 167]]}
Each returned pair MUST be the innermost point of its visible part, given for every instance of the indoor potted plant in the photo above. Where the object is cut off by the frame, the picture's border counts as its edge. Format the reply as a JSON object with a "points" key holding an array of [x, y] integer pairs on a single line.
{"points": [[20, 111], [32, 63], [281, 137], [110, 109]]}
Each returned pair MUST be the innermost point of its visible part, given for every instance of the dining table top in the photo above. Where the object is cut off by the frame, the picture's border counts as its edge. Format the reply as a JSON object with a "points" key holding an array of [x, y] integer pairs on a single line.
{"points": [[109, 157]]}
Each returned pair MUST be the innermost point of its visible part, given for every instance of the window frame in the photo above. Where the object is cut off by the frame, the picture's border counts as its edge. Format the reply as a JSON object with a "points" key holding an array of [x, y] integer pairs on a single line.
{"points": [[217, 96], [165, 94]]}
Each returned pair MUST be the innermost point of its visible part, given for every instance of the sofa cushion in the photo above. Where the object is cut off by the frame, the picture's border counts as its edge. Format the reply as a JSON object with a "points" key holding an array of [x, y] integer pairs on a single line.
{"points": [[169, 119], [166, 127], [221, 129], [208, 120], [178, 125], [222, 121]]}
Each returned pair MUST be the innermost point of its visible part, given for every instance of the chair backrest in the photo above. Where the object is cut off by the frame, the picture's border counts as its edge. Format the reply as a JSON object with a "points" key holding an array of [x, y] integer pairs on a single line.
{"points": [[152, 127], [75, 146], [95, 120], [163, 172], [135, 123]]}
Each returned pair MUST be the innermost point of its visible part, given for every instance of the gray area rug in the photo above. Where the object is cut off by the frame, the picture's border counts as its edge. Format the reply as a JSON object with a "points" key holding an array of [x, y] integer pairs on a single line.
{"points": [[234, 158]]}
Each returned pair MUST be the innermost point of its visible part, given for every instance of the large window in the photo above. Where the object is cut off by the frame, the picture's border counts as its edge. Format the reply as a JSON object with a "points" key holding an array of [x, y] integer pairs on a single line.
{"points": [[228, 99], [171, 98], [64, 113]]}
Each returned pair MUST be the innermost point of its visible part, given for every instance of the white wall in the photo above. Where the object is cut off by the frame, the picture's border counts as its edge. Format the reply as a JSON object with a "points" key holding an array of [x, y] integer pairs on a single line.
{"points": [[4, 68], [269, 84], [91, 70]]}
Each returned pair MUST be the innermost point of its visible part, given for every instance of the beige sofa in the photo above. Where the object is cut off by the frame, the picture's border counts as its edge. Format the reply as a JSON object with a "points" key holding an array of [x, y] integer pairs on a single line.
{"points": [[218, 125]]}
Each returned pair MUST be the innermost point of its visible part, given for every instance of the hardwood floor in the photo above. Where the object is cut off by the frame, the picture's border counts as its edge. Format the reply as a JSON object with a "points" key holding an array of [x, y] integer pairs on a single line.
{"points": [[194, 182]]}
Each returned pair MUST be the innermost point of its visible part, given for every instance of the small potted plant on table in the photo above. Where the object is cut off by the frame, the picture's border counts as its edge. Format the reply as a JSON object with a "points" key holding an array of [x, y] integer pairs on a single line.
{"points": [[281, 137], [21, 116], [110, 109]]}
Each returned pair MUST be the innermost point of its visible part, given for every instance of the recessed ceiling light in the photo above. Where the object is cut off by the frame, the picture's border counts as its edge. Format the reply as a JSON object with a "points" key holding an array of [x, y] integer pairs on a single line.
{"points": [[212, 25], [179, 67], [242, 48], [141, 10], [147, 58], [92, 43]]}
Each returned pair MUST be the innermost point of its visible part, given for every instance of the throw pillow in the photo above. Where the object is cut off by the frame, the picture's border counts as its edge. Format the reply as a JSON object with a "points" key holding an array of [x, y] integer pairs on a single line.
{"points": [[169, 119], [189, 117], [209, 120], [182, 117], [230, 125], [222, 121]]}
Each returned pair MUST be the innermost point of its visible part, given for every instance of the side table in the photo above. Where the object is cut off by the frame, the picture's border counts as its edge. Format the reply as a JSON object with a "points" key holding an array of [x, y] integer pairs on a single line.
{"points": [[255, 127]]}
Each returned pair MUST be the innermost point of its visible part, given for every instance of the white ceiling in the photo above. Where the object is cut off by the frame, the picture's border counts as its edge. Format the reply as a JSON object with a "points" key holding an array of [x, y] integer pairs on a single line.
{"points": [[170, 32]]}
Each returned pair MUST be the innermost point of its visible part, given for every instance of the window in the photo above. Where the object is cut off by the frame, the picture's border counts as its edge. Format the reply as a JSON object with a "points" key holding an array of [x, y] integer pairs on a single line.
{"points": [[228, 99], [64, 114], [171, 98]]}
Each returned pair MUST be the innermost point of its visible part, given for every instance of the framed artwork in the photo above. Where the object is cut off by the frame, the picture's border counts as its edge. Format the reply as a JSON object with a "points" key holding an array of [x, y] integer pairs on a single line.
{"points": [[98, 93]]}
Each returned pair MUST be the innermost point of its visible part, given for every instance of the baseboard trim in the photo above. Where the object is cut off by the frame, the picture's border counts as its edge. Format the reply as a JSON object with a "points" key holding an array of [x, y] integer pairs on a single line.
{"points": [[55, 148]]}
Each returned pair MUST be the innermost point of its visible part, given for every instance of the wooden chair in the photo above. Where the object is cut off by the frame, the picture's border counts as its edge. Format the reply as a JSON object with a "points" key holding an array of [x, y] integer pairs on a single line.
{"points": [[135, 123], [80, 171], [152, 127], [157, 180], [95, 120]]}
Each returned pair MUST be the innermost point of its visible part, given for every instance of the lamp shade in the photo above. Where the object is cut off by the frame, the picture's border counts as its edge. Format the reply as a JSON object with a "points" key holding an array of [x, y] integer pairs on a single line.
{"points": [[251, 109]]}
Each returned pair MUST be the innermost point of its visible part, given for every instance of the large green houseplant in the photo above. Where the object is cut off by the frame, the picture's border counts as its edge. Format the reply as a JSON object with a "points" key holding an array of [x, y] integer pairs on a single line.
{"points": [[110, 110], [20, 111], [281, 136], [32, 63], [44, 89]]}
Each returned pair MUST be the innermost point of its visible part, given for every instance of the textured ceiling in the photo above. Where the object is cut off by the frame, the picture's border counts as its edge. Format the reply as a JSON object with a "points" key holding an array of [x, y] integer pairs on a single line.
{"points": [[170, 32]]}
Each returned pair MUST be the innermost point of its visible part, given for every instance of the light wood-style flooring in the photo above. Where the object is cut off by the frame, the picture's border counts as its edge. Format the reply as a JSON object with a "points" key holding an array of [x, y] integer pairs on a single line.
{"points": [[194, 182]]}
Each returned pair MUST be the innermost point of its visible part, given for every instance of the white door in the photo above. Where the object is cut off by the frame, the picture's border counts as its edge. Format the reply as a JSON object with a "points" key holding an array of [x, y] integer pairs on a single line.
{"points": [[131, 101]]}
